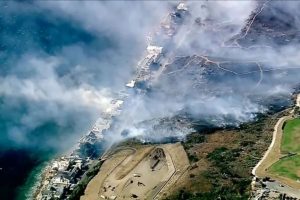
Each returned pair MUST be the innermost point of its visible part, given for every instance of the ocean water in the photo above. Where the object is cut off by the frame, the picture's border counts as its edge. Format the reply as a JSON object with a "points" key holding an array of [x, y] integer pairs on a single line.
{"points": [[34, 131], [32, 181], [21, 163], [20, 169]]}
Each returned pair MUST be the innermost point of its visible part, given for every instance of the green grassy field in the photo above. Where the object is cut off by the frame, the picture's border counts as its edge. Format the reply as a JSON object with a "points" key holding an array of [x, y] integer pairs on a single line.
{"points": [[291, 137], [287, 167]]}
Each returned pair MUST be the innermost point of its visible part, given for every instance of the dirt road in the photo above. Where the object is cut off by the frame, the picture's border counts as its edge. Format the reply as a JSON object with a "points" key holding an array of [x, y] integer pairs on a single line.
{"points": [[273, 153]]}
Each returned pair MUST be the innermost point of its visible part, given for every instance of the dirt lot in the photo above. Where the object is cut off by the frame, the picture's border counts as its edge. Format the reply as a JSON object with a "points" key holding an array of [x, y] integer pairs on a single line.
{"points": [[141, 173]]}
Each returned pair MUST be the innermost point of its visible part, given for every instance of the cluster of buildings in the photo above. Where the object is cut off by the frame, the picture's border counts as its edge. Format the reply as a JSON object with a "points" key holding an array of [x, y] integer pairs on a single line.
{"points": [[62, 177], [103, 123], [151, 65], [272, 190], [145, 68], [174, 19], [64, 173], [272, 195]]}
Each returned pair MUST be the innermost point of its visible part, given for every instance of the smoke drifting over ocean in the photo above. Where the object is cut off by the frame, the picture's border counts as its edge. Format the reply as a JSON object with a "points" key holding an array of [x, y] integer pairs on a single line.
{"points": [[62, 62], [71, 58]]}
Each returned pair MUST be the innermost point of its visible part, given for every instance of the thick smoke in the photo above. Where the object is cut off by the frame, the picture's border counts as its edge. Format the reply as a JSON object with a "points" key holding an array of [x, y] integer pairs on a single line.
{"points": [[225, 63], [229, 62], [73, 82], [62, 64]]}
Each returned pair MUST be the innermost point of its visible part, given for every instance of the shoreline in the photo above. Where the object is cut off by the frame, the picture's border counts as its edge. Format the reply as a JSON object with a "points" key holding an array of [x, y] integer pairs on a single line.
{"points": [[37, 188], [53, 183], [49, 172], [41, 177], [28, 189]]}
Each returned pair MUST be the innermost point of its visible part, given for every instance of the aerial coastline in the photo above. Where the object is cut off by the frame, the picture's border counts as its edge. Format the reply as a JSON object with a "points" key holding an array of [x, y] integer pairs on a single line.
{"points": [[51, 175], [188, 100]]}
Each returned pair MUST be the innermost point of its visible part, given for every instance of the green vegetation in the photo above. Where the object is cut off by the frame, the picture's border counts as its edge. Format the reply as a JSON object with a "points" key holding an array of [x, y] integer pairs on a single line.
{"points": [[87, 177], [192, 157], [222, 161], [222, 157], [194, 138], [291, 137], [287, 167], [190, 141], [297, 111], [217, 193], [130, 142], [255, 127]]}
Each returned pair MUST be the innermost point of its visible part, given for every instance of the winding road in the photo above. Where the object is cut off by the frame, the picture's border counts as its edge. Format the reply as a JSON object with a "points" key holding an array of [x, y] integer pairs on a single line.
{"points": [[272, 155], [273, 152]]}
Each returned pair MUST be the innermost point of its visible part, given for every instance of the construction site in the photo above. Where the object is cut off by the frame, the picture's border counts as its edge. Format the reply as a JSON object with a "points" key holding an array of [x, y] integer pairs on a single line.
{"points": [[146, 172]]}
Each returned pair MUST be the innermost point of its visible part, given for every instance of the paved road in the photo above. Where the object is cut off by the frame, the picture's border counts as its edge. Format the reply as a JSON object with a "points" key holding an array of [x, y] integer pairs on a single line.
{"points": [[283, 189]]}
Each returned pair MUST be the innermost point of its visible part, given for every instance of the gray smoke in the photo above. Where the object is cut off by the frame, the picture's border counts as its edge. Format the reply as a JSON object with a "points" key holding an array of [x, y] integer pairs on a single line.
{"points": [[222, 67], [230, 62], [63, 62]]}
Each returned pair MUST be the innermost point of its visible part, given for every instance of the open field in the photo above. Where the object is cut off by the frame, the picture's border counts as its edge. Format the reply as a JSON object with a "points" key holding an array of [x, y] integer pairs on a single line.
{"points": [[141, 173], [281, 161], [291, 137], [287, 167], [273, 153], [286, 141]]}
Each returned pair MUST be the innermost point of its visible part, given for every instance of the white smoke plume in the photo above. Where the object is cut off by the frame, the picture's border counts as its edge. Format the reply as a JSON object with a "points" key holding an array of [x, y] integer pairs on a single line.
{"points": [[220, 70]]}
